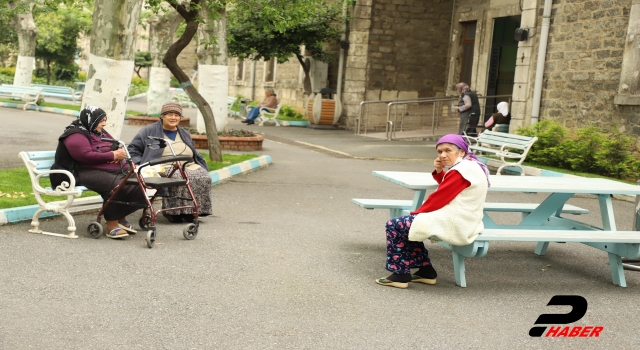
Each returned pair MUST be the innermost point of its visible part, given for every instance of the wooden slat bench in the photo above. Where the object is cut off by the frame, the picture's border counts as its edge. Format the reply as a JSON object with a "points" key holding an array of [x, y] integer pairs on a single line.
{"points": [[28, 94], [398, 207], [269, 114], [617, 244], [63, 92], [38, 164], [503, 145]]}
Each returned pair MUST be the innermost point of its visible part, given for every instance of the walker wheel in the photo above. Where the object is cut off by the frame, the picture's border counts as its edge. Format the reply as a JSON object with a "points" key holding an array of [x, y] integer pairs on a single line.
{"points": [[95, 230], [144, 222], [151, 238], [190, 231]]}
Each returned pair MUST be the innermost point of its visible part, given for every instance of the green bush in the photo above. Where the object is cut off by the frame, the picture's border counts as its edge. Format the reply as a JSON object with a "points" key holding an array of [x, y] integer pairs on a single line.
{"points": [[67, 72], [138, 86], [549, 135], [588, 150], [288, 113], [8, 71]]}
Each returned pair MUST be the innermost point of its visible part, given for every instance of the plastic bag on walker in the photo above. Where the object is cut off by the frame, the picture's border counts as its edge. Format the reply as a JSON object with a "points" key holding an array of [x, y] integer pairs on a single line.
{"points": [[152, 171]]}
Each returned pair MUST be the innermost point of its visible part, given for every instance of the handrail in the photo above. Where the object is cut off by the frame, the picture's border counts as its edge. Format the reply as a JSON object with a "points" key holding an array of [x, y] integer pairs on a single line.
{"points": [[390, 130], [359, 119]]}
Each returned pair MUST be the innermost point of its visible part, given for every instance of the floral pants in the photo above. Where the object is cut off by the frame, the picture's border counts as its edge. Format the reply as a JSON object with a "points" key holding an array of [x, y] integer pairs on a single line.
{"points": [[402, 254]]}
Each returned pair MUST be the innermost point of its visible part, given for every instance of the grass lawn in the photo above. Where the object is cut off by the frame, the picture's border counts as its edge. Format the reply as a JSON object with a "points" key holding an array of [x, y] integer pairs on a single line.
{"points": [[16, 191]]}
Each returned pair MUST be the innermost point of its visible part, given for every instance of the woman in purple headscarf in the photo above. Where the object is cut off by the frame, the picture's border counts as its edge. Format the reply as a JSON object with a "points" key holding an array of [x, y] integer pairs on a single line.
{"points": [[453, 213]]}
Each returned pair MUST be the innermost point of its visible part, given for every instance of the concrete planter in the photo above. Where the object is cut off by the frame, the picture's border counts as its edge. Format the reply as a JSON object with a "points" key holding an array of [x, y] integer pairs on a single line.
{"points": [[301, 123], [253, 143], [185, 122]]}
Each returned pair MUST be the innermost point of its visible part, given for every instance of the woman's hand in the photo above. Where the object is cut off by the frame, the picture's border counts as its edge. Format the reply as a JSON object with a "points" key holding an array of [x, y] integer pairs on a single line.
{"points": [[437, 163], [119, 155]]}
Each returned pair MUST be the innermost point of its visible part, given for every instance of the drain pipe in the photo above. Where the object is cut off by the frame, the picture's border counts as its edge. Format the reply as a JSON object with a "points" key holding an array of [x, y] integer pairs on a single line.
{"points": [[542, 53], [253, 79]]}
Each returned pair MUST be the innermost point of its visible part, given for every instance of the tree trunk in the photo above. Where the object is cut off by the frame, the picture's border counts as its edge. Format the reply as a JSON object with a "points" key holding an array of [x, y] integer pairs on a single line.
{"points": [[112, 59], [26, 29], [170, 60], [48, 63], [163, 28], [307, 77], [213, 72]]}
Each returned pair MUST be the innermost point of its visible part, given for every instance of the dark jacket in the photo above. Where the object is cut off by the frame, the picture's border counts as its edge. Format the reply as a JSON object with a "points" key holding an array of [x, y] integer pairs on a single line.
{"points": [[475, 103], [64, 160], [140, 153]]}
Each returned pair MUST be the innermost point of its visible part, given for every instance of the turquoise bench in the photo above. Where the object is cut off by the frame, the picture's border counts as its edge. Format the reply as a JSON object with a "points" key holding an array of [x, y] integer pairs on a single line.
{"points": [[28, 94], [606, 241], [63, 92], [399, 207], [38, 164]]}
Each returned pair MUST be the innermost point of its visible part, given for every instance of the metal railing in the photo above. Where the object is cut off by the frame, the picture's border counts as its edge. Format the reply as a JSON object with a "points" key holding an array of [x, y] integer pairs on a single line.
{"points": [[358, 120], [390, 125]]}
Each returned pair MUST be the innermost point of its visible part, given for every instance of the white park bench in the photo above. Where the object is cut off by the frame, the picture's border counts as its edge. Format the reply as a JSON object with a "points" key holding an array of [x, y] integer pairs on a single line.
{"points": [[28, 94], [38, 164], [269, 114], [63, 92], [511, 149]]}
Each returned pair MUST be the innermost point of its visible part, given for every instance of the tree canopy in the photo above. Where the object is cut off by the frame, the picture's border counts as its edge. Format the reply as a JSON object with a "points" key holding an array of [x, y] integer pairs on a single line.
{"points": [[282, 30], [58, 33]]}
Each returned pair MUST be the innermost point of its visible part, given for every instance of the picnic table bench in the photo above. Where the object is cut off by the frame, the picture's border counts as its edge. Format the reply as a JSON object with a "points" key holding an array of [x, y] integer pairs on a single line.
{"points": [[28, 94], [541, 222], [503, 145], [63, 92], [399, 207], [38, 164]]}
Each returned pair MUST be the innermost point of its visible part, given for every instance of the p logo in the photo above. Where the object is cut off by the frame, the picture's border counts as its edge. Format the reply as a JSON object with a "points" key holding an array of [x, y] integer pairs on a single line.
{"points": [[579, 309]]}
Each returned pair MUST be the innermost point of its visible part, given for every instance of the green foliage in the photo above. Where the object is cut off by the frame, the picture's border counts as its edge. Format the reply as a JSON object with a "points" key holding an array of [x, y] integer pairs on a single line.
{"points": [[67, 71], [174, 82], [142, 60], [262, 30], [588, 150], [288, 113], [138, 86], [549, 135], [58, 33], [11, 71]]}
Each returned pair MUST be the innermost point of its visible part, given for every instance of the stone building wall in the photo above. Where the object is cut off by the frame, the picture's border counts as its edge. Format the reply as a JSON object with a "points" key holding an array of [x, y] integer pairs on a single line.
{"points": [[407, 48], [584, 60], [287, 82]]}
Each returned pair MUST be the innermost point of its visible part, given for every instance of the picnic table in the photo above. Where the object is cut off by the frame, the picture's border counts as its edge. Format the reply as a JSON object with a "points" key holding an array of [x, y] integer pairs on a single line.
{"points": [[543, 224]]}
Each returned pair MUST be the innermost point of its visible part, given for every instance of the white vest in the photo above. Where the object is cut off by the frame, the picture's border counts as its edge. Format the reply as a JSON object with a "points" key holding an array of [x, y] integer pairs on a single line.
{"points": [[460, 221]]}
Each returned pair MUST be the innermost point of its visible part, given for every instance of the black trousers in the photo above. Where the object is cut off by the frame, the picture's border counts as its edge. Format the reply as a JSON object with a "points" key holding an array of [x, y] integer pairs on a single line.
{"points": [[103, 182]]}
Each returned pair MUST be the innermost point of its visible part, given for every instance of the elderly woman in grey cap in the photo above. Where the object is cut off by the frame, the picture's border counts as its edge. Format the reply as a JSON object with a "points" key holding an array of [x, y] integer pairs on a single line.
{"points": [[270, 101], [168, 128]]}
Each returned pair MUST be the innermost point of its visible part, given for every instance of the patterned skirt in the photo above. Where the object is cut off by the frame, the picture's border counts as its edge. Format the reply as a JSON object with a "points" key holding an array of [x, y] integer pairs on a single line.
{"points": [[200, 185]]}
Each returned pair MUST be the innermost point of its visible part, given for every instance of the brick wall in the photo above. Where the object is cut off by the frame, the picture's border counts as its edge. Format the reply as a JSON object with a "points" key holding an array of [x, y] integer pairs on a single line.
{"points": [[584, 60]]}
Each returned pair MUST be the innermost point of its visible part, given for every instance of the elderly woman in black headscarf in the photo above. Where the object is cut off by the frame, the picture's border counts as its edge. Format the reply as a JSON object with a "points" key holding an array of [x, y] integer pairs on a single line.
{"points": [[99, 166]]}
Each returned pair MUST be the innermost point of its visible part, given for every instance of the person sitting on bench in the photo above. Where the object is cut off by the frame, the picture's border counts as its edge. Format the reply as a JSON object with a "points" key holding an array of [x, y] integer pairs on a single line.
{"points": [[98, 166], [501, 117], [453, 213], [270, 101]]}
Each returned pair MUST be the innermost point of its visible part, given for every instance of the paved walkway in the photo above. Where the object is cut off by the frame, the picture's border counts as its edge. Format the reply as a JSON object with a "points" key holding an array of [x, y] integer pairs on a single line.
{"points": [[288, 262]]}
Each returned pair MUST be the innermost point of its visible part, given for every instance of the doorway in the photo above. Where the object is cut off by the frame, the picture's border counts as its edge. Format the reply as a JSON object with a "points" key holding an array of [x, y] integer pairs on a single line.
{"points": [[502, 62]]}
